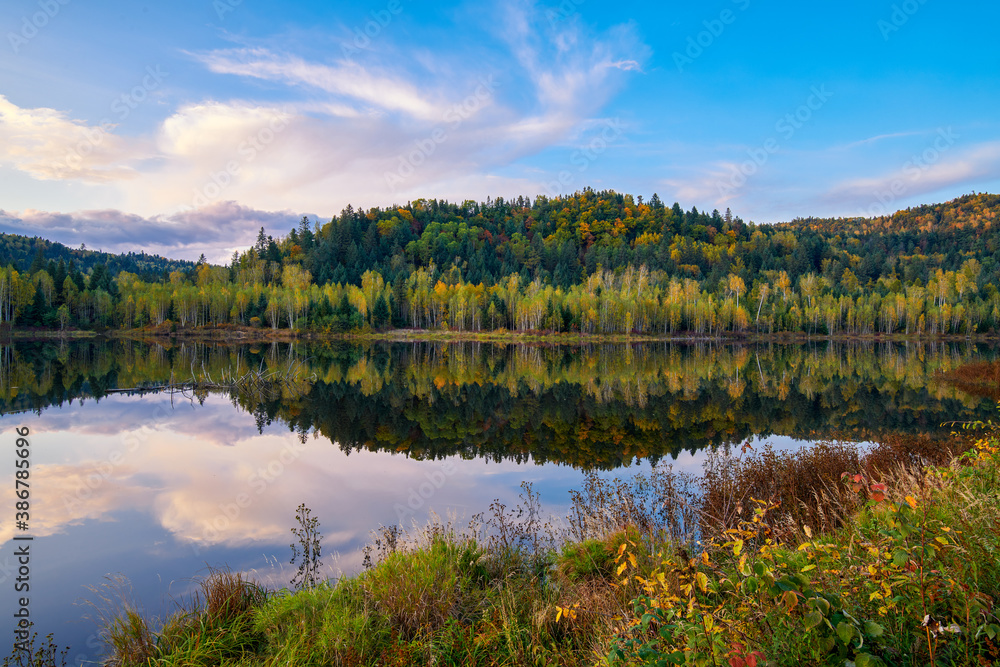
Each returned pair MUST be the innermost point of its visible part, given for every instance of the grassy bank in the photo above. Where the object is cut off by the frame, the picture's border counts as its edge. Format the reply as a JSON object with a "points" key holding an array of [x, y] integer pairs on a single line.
{"points": [[245, 334], [820, 557], [46, 334]]}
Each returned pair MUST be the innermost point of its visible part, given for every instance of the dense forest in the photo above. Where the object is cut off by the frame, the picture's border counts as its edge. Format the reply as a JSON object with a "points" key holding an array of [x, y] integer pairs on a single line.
{"points": [[593, 262]]}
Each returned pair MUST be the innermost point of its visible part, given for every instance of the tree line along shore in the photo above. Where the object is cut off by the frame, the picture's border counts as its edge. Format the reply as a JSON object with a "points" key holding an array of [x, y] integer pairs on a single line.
{"points": [[593, 263]]}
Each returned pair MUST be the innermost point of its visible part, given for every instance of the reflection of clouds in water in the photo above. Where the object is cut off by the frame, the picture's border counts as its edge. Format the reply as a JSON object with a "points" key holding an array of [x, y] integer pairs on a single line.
{"points": [[211, 481], [216, 421], [686, 462], [136, 453], [68, 495]]}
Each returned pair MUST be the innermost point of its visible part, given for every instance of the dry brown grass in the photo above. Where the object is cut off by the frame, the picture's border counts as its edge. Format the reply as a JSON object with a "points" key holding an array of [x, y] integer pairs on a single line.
{"points": [[661, 505], [915, 451], [807, 484]]}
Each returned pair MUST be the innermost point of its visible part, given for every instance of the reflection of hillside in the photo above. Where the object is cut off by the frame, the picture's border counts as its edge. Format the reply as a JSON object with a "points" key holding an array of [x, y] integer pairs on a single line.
{"points": [[587, 406]]}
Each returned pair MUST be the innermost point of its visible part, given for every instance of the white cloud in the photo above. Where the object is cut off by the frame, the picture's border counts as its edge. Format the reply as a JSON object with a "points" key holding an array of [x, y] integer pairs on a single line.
{"points": [[826, 181], [49, 146], [456, 122], [199, 129], [245, 486], [570, 69]]}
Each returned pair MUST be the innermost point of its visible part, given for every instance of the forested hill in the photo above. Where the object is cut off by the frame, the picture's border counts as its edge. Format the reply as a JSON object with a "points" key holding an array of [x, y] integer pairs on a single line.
{"points": [[21, 251], [976, 211], [593, 262], [561, 241], [911, 243], [564, 240]]}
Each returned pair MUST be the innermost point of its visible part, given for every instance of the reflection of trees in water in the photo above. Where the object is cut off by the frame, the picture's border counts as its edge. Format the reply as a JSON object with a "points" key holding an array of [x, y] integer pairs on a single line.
{"points": [[586, 406]]}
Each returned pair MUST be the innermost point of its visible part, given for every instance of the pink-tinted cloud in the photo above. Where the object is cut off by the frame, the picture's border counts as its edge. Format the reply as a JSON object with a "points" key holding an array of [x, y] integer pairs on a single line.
{"points": [[214, 230]]}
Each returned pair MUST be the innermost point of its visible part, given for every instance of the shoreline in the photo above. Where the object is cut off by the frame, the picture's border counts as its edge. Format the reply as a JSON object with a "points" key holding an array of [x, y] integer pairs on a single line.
{"points": [[238, 335]]}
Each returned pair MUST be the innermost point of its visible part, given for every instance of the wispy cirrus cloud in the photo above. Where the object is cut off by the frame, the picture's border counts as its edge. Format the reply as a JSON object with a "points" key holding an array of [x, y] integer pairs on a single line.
{"points": [[880, 137], [858, 178], [573, 72], [346, 80], [938, 167]]}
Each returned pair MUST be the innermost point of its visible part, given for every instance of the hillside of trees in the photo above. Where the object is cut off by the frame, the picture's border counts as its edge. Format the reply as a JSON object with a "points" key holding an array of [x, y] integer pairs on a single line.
{"points": [[594, 262], [23, 253]]}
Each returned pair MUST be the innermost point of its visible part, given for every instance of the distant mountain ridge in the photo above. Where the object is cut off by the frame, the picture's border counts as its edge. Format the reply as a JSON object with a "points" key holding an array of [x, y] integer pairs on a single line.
{"points": [[980, 210], [20, 251]]}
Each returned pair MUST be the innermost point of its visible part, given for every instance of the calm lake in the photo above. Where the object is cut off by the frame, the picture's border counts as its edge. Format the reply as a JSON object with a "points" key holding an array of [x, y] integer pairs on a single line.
{"points": [[157, 486]]}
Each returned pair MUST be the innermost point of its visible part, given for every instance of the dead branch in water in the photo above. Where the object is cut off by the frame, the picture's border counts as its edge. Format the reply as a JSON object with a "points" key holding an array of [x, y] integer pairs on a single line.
{"points": [[259, 383]]}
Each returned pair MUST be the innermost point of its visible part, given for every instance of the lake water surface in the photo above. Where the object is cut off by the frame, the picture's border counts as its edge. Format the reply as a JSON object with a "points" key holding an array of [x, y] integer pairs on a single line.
{"points": [[158, 486]]}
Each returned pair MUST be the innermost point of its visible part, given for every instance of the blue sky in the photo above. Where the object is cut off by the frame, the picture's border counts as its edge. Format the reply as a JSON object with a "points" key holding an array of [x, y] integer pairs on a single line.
{"points": [[182, 127]]}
